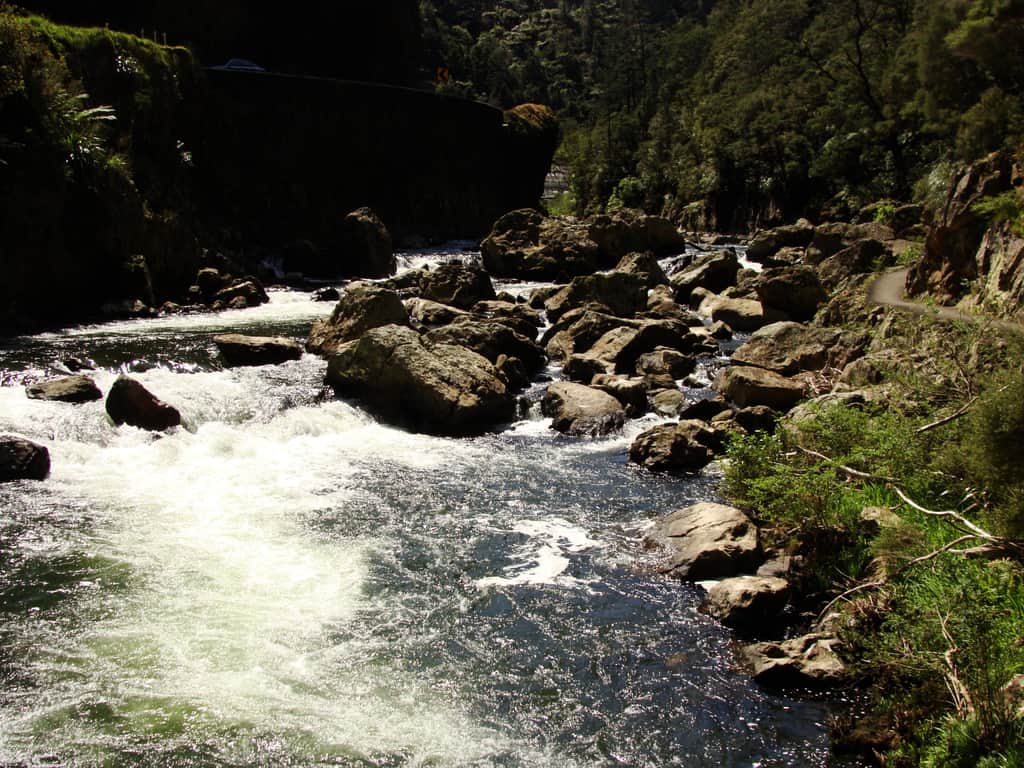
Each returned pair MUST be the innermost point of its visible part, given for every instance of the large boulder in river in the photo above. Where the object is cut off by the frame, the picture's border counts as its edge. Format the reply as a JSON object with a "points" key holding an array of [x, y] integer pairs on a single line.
{"points": [[644, 265], [744, 315], [239, 349], [365, 246], [362, 307], [745, 385], [426, 386], [526, 244], [627, 230], [456, 284], [21, 459], [706, 541], [624, 294], [128, 402], [492, 340], [687, 446], [580, 410], [66, 389], [712, 271]]}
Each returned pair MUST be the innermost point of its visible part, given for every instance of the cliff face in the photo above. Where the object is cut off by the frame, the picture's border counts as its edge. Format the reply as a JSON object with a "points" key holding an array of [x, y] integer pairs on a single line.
{"points": [[95, 210], [285, 158], [969, 257]]}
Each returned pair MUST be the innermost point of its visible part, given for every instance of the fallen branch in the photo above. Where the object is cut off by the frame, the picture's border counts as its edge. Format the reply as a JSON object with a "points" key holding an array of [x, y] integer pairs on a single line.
{"points": [[957, 689], [952, 417]]}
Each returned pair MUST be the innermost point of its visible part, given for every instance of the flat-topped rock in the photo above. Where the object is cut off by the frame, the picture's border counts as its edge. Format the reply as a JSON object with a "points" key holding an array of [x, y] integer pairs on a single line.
{"points": [[706, 541], [240, 349], [66, 389], [576, 409]]}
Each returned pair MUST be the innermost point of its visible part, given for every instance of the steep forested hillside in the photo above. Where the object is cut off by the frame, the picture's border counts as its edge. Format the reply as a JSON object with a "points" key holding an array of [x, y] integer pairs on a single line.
{"points": [[734, 113]]}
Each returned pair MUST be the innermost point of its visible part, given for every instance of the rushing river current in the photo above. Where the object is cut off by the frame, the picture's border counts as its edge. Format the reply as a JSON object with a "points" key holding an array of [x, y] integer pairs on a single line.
{"points": [[284, 581]]}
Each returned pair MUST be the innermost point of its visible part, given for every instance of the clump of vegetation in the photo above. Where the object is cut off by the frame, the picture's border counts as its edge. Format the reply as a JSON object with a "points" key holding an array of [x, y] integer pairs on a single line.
{"points": [[1007, 207], [932, 585]]}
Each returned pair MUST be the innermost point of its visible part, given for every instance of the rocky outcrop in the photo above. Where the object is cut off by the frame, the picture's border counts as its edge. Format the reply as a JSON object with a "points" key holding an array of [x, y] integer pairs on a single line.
{"points": [[744, 315], [412, 382], [706, 541], [688, 446], [809, 661], [580, 410], [128, 402], [67, 389], [362, 307], [424, 313], [745, 385], [21, 459], [747, 602], [643, 264], [867, 255], [527, 245], [950, 260], [239, 349]]}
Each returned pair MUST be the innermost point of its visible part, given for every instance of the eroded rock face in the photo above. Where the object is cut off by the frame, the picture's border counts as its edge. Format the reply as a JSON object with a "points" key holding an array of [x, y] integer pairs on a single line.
{"points": [[362, 307], [128, 402], [21, 459], [745, 385], [707, 541], [687, 446], [949, 260], [622, 293], [67, 389], [239, 349], [787, 348], [863, 256], [426, 386], [576, 409]]}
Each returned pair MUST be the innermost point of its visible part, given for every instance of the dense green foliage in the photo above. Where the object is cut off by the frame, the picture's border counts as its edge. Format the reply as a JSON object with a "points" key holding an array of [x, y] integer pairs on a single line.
{"points": [[936, 633], [747, 111]]}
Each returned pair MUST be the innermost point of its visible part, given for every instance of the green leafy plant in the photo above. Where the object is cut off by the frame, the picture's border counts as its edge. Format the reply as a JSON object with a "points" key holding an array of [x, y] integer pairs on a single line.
{"points": [[1007, 207], [884, 212]]}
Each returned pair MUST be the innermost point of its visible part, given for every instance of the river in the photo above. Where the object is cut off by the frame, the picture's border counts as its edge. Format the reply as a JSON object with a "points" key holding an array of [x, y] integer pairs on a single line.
{"points": [[285, 582]]}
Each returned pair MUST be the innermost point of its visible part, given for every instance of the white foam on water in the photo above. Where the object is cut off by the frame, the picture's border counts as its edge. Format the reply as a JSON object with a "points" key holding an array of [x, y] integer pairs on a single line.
{"points": [[543, 560], [237, 610]]}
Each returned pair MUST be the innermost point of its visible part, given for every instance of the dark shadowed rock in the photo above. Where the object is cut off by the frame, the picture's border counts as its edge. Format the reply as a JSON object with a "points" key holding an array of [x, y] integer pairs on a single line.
{"points": [[526, 244], [457, 284], [239, 349], [67, 389], [684, 447], [666, 361], [21, 459], [756, 418], [128, 402], [747, 602], [630, 392], [327, 293], [422, 385], [863, 256], [706, 541], [764, 245], [745, 386], [365, 246], [576, 409], [513, 373], [242, 293], [362, 307]]}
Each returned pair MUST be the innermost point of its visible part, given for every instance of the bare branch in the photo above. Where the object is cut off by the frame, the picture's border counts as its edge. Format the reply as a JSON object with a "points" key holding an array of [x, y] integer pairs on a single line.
{"points": [[952, 417]]}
